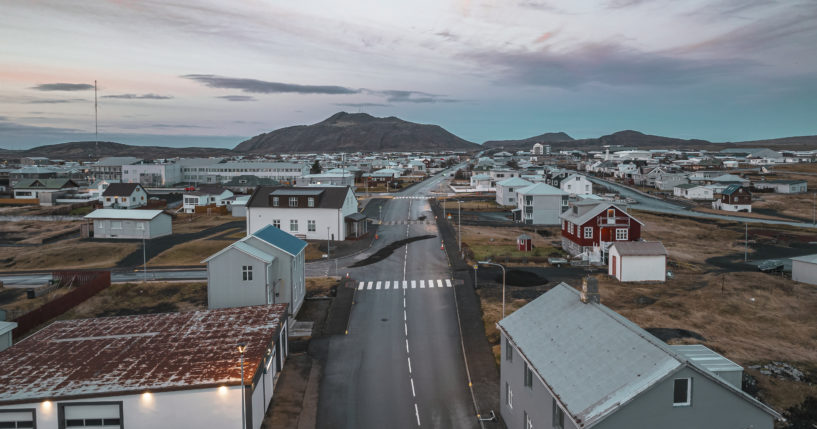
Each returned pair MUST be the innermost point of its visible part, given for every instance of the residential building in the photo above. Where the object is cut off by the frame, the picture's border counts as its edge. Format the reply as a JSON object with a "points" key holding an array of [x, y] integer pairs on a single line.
{"points": [[265, 267], [506, 190], [110, 168], [35, 188], [499, 174], [312, 212], [589, 227], [783, 186], [130, 224], [6, 340], [204, 196], [95, 190], [729, 179], [638, 261], [124, 196], [482, 183], [569, 362], [692, 191], [576, 184], [165, 370], [734, 198], [668, 181], [804, 269], [33, 172], [152, 175], [540, 204]]}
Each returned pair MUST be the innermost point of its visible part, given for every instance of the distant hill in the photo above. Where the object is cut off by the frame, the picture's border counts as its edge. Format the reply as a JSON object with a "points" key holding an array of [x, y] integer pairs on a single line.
{"points": [[527, 144], [86, 150], [641, 141], [356, 132]]}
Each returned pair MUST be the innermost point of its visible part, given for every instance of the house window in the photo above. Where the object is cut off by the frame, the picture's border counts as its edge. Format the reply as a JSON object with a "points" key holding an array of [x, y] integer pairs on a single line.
{"points": [[570, 227], [558, 416], [276, 223], [293, 224], [508, 351], [310, 225], [682, 392], [275, 201], [622, 234], [140, 225], [20, 418], [116, 224], [246, 272], [92, 414], [107, 199], [508, 395], [611, 212], [588, 232], [293, 201], [310, 202], [528, 376]]}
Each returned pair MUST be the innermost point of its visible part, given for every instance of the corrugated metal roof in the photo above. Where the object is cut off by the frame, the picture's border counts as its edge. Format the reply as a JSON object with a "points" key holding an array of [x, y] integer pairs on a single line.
{"points": [[812, 259], [593, 359], [514, 181], [7, 326], [705, 358], [280, 239], [640, 248], [296, 192], [541, 189], [134, 354], [123, 214], [252, 251]]}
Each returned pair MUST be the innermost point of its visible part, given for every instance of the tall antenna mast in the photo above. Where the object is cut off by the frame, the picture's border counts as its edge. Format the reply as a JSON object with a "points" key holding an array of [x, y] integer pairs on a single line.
{"points": [[96, 121]]}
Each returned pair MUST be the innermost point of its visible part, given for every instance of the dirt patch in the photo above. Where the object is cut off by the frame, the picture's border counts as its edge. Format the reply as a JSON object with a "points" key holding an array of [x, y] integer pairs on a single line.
{"points": [[321, 287], [668, 334], [388, 250]]}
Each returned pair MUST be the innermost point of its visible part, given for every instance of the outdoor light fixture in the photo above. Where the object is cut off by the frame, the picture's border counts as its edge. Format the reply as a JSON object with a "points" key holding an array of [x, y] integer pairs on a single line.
{"points": [[242, 347]]}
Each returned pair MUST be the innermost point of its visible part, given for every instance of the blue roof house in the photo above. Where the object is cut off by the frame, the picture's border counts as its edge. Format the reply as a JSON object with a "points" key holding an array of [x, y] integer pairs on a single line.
{"points": [[265, 267]]}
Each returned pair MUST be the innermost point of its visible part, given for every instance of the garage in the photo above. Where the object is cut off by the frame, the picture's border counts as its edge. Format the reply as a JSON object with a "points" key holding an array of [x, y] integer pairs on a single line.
{"points": [[105, 415]]}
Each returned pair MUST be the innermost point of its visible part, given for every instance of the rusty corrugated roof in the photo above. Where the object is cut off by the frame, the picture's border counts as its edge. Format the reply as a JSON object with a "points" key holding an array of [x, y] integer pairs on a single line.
{"points": [[133, 354]]}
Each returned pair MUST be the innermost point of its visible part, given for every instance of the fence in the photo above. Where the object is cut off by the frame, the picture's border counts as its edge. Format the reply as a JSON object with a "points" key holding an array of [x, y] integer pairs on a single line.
{"points": [[85, 283], [19, 201]]}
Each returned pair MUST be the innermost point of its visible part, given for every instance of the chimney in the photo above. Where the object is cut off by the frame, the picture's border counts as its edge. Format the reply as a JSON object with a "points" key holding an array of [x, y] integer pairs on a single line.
{"points": [[590, 290]]}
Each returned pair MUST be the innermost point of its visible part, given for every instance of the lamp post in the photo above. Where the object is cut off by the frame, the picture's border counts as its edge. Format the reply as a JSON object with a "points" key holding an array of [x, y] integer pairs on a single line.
{"points": [[459, 224], [503, 282], [241, 348], [328, 250], [144, 260]]}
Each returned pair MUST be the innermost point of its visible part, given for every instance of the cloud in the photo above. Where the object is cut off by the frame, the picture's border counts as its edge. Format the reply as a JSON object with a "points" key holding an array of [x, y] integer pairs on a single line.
{"points": [[58, 101], [623, 4], [362, 105], [237, 98], [63, 87], [400, 96], [139, 97], [447, 35], [265, 87], [176, 126], [540, 5], [604, 63]]}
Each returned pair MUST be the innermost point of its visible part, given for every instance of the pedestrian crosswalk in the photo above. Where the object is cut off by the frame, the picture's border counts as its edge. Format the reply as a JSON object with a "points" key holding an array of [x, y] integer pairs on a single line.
{"points": [[386, 285], [407, 222], [399, 197]]}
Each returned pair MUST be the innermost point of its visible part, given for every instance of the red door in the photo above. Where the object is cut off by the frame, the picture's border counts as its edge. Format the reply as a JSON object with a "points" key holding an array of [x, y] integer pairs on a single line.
{"points": [[614, 265]]}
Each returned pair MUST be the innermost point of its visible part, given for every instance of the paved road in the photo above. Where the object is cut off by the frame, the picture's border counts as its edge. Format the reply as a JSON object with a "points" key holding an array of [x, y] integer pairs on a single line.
{"points": [[657, 205], [401, 365]]}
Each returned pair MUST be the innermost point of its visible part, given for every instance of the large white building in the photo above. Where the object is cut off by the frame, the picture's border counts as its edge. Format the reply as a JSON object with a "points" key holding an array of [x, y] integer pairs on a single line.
{"points": [[804, 269], [283, 172], [168, 370], [314, 213], [166, 174], [576, 184]]}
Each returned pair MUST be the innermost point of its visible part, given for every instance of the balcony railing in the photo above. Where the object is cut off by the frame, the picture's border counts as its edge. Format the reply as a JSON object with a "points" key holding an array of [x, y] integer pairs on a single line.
{"points": [[613, 221]]}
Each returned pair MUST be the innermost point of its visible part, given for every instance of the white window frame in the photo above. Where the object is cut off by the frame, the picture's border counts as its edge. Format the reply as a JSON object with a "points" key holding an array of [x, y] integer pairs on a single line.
{"points": [[140, 226], [275, 201], [19, 411], [310, 202], [689, 393], [116, 224], [310, 226], [508, 395], [293, 224], [276, 223], [622, 234], [246, 273], [588, 232], [293, 201]]}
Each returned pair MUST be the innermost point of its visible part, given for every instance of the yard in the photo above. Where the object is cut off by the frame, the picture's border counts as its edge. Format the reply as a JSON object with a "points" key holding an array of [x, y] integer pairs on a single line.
{"points": [[193, 252], [65, 254], [500, 243], [34, 232], [122, 299]]}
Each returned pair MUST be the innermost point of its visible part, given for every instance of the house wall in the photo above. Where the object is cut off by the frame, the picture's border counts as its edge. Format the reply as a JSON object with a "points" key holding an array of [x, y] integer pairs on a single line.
{"points": [[168, 173], [804, 272], [5, 341], [506, 195], [713, 406], [259, 217], [637, 268], [576, 184], [137, 199], [225, 285], [211, 407], [536, 400], [288, 273], [157, 227], [544, 211]]}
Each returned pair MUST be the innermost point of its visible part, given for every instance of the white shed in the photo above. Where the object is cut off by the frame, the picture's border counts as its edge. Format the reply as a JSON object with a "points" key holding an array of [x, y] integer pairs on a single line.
{"points": [[130, 224], [638, 261], [804, 269]]}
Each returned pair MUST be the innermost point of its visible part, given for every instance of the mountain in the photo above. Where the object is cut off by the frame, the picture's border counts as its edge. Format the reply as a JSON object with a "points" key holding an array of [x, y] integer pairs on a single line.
{"points": [[86, 150], [356, 132], [527, 144], [641, 141]]}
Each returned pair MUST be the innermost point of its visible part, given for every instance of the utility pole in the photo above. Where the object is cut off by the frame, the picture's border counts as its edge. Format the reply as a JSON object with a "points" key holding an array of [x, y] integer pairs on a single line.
{"points": [[814, 211], [96, 121], [241, 348], [144, 260], [459, 224], [328, 250], [746, 244]]}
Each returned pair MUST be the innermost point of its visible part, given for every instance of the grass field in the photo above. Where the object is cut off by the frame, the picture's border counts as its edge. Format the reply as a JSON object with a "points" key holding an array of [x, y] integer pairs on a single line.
{"points": [[193, 252], [123, 299], [497, 243], [34, 232], [320, 286], [187, 223], [65, 254]]}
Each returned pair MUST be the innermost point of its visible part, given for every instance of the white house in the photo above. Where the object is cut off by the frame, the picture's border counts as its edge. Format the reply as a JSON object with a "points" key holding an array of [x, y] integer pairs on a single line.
{"points": [[638, 261], [124, 196], [499, 174], [205, 195], [166, 370], [783, 186], [482, 183], [33, 188], [130, 224], [576, 184], [312, 213], [540, 204], [804, 269], [692, 191], [265, 267], [506, 190]]}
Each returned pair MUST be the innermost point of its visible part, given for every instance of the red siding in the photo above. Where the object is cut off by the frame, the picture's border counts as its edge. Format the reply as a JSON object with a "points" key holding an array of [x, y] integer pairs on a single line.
{"points": [[602, 234]]}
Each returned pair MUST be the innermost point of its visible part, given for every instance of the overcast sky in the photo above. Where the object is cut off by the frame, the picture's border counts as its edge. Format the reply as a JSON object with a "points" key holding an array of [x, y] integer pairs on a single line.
{"points": [[211, 73]]}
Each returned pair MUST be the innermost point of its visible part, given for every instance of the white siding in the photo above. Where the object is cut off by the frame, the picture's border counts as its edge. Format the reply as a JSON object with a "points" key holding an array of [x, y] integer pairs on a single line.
{"points": [[637, 268], [804, 272]]}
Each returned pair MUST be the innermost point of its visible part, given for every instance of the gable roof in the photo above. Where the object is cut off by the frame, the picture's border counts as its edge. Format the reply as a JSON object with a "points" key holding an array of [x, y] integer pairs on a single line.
{"points": [[811, 259], [591, 358], [245, 248], [600, 207], [45, 184], [514, 181], [124, 214], [280, 239], [729, 190], [331, 197], [640, 248], [541, 189], [208, 190], [120, 189]]}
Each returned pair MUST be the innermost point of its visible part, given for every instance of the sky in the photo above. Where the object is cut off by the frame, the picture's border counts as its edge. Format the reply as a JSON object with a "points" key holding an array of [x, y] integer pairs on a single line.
{"points": [[213, 73]]}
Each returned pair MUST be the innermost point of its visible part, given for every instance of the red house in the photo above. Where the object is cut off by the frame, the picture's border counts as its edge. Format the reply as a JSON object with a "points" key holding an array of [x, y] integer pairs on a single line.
{"points": [[590, 227]]}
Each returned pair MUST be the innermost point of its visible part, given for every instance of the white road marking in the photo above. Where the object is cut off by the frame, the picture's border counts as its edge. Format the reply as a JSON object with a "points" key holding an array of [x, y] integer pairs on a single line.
{"points": [[431, 283], [378, 286], [412, 388], [369, 286], [386, 286], [439, 283], [413, 284], [409, 363], [404, 300], [448, 282], [417, 413], [405, 284], [407, 347], [405, 318], [422, 284], [360, 286]]}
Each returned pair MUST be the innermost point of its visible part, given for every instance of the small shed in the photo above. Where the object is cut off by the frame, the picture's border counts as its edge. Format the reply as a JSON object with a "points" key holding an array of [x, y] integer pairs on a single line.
{"points": [[130, 224], [638, 261], [804, 269], [524, 243]]}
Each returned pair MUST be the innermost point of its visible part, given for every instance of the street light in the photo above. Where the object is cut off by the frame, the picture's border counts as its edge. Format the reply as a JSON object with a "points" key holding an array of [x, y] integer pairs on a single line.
{"points": [[241, 348], [459, 223], [503, 282], [328, 250]]}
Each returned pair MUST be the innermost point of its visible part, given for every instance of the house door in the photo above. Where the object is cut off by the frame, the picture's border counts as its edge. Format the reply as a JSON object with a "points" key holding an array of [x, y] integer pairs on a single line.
{"points": [[614, 264]]}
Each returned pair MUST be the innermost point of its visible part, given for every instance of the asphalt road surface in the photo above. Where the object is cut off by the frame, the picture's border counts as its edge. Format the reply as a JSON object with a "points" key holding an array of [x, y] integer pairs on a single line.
{"points": [[401, 363]]}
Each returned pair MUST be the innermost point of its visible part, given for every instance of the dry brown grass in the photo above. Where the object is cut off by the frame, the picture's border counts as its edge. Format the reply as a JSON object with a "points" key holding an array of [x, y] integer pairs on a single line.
{"points": [[190, 253], [709, 209], [494, 241], [795, 205], [142, 298], [491, 305], [451, 205], [320, 286], [23, 305], [312, 253], [65, 254], [34, 232], [188, 223]]}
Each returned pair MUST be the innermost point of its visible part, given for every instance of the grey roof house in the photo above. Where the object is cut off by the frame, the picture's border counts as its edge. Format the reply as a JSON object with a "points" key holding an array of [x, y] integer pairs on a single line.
{"points": [[570, 362]]}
